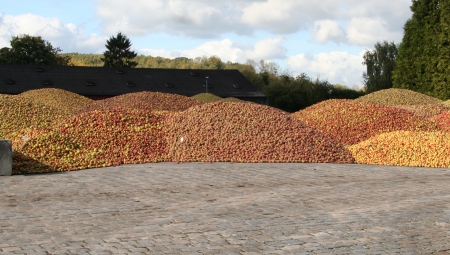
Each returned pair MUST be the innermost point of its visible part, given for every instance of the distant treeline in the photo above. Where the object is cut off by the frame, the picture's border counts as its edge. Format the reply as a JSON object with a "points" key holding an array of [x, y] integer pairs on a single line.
{"points": [[284, 91]]}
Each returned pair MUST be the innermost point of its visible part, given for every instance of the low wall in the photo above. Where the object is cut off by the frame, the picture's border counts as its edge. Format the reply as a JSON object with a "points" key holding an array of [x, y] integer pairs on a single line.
{"points": [[5, 157]]}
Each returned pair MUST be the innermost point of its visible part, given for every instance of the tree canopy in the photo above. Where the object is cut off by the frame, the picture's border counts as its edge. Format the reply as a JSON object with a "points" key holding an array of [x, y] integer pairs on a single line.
{"points": [[380, 63], [26, 49], [118, 53], [423, 61]]}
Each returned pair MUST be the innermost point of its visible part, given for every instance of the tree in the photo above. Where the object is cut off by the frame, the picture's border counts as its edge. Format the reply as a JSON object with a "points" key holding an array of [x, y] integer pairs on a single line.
{"points": [[423, 56], [339, 91], [380, 63], [26, 49], [295, 93], [118, 53]]}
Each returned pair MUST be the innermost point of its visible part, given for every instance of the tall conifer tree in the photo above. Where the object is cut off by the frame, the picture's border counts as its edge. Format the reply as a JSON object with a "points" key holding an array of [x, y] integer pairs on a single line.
{"points": [[118, 52], [423, 56]]}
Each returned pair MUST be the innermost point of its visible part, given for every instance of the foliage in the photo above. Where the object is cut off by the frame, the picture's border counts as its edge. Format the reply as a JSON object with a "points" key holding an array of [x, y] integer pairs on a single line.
{"points": [[343, 92], [423, 63], [380, 63], [81, 59], [293, 94], [118, 53], [26, 49]]}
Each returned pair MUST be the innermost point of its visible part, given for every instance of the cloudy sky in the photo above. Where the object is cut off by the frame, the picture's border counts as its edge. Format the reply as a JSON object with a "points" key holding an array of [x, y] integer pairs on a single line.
{"points": [[323, 39]]}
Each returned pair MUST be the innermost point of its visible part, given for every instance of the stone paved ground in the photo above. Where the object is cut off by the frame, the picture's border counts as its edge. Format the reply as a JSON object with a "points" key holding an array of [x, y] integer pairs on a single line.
{"points": [[225, 208]]}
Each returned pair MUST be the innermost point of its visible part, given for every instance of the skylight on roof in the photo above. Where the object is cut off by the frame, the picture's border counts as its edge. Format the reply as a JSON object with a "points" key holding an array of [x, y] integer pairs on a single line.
{"points": [[194, 73], [89, 83], [169, 85], [237, 86], [206, 86], [10, 82], [46, 82], [119, 71], [130, 84], [39, 69]]}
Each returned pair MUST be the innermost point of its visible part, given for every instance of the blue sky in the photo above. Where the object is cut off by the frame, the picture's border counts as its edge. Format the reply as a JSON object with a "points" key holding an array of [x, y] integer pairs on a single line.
{"points": [[323, 39]]}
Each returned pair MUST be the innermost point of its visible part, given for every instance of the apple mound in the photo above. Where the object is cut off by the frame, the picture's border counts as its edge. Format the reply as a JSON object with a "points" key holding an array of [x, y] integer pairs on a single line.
{"points": [[233, 99], [144, 101], [447, 102], [17, 113], [236, 132], [405, 148], [93, 139], [48, 150], [206, 97], [126, 136], [351, 122], [63, 100], [393, 96], [443, 120], [426, 110]]}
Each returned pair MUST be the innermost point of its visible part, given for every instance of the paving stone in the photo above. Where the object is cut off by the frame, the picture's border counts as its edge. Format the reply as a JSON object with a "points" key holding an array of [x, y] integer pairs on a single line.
{"points": [[228, 208]]}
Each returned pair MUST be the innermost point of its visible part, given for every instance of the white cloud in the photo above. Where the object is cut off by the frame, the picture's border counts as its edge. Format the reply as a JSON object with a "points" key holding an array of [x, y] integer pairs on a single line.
{"points": [[228, 50], [195, 18], [270, 48], [361, 31], [361, 22], [274, 15], [336, 67], [27, 23], [327, 30], [299, 63], [68, 37]]}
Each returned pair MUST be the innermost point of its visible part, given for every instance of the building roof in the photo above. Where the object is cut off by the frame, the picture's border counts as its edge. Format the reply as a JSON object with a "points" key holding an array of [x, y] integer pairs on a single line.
{"points": [[109, 81]]}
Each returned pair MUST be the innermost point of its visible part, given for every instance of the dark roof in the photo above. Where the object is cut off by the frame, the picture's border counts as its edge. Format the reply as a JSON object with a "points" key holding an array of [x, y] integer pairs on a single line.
{"points": [[108, 81]]}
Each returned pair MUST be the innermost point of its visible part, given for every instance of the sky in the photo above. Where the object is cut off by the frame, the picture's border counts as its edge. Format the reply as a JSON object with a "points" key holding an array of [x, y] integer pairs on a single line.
{"points": [[325, 39]]}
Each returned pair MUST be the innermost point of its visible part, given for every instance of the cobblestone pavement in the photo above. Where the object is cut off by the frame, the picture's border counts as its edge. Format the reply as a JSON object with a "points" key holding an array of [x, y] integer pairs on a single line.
{"points": [[226, 208]]}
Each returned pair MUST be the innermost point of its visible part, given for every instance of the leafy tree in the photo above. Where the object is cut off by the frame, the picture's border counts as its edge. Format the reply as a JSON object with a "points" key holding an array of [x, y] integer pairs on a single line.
{"points": [[5, 56], [380, 63], [343, 92], [118, 53], [423, 57], [216, 63], [26, 49], [295, 93]]}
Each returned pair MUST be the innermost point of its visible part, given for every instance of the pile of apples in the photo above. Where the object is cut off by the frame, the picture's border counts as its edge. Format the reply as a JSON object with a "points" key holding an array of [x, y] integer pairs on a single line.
{"points": [[351, 121], [427, 110], [56, 130], [443, 120], [209, 98], [63, 100], [17, 113], [395, 97], [152, 101], [94, 139], [405, 148], [244, 132]]}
